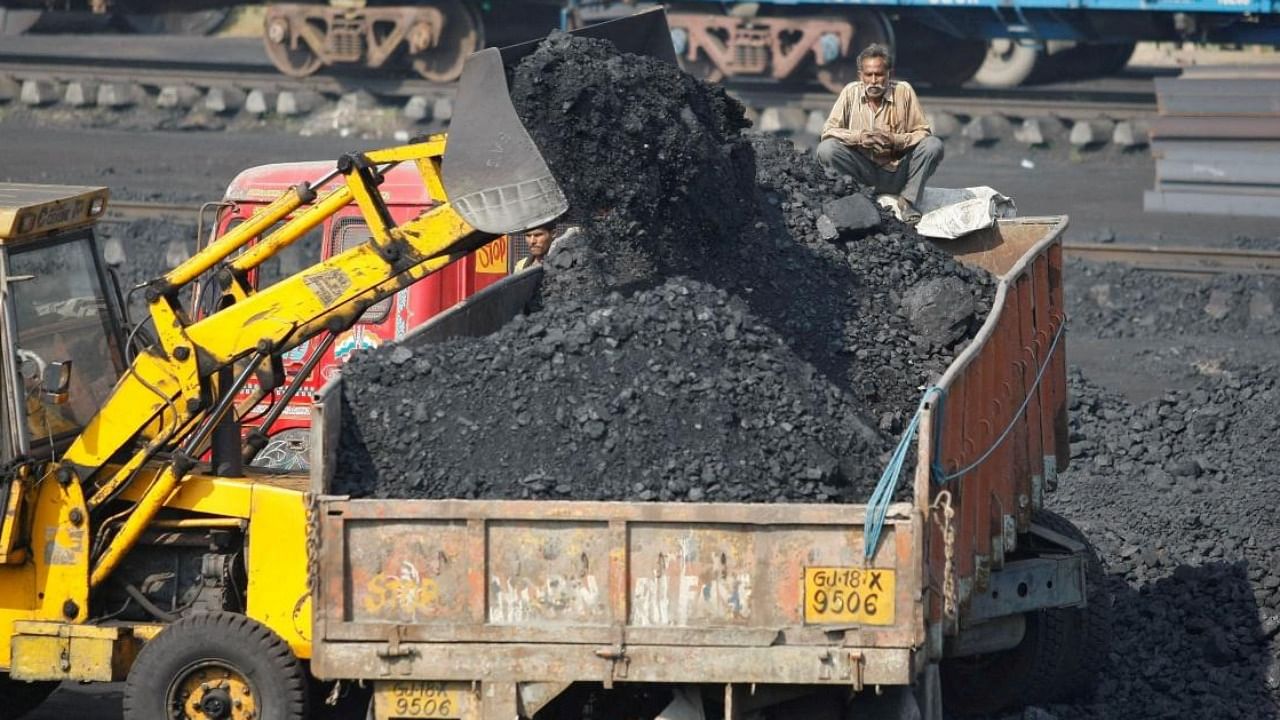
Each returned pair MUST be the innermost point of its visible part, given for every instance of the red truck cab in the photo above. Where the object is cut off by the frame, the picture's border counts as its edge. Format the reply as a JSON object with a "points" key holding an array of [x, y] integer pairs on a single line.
{"points": [[406, 197]]}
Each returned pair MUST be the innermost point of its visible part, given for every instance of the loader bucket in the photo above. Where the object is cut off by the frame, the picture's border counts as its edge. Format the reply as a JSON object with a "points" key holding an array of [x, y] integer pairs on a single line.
{"points": [[495, 177]]}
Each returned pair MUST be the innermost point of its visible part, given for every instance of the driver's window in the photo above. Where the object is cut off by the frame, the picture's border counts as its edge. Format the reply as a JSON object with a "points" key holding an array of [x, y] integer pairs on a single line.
{"points": [[61, 313]]}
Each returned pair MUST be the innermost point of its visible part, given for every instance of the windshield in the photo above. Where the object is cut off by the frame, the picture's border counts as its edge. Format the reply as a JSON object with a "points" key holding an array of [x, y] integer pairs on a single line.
{"points": [[61, 312]]}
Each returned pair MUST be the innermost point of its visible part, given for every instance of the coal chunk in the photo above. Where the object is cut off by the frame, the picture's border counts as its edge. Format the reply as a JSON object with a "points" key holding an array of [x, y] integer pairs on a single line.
{"points": [[658, 399], [851, 216], [940, 309]]}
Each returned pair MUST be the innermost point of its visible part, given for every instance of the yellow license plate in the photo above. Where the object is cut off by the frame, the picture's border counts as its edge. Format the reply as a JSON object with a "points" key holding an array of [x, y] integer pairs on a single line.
{"points": [[848, 595], [417, 699]]}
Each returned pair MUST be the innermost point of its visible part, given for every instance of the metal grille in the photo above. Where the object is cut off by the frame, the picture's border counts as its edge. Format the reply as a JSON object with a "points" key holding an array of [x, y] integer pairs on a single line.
{"points": [[517, 250]]}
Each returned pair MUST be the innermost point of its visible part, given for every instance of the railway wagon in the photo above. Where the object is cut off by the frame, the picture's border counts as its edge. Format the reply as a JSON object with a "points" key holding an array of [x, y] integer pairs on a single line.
{"points": [[995, 43], [492, 609]]}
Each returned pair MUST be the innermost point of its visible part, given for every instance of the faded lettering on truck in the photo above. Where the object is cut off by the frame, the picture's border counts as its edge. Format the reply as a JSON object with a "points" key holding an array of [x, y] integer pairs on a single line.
{"points": [[687, 587]]}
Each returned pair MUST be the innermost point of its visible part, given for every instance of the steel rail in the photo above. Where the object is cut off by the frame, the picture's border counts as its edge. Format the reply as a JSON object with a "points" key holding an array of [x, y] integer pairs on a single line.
{"points": [[1179, 259], [1072, 104], [128, 210]]}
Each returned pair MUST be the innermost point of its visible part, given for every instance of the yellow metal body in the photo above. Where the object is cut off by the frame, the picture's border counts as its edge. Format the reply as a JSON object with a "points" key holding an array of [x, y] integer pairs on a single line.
{"points": [[163, 397], [136, 457], [273, 512], [28, 210], [86, 653], [50, 585]]}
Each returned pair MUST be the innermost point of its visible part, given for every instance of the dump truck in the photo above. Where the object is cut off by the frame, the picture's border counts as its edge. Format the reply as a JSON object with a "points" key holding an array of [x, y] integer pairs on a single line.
{"points": [[971, 591]]}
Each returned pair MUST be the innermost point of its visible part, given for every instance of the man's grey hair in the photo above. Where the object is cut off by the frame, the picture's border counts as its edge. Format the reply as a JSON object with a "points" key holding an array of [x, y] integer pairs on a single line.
{"points": [[876, 50]]}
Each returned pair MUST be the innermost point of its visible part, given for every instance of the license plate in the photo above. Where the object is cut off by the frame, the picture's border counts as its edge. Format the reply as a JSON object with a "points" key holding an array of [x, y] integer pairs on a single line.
{"points": [[417, 699], [848, 595]]}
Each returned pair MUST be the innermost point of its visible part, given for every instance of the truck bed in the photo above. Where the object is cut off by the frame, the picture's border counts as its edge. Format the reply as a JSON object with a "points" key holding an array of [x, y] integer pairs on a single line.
{"points": [[528, 594]]}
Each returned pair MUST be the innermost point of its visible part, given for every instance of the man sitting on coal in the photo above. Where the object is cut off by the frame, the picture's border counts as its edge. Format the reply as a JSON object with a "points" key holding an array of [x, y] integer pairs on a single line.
{"points": [[876, 133]]}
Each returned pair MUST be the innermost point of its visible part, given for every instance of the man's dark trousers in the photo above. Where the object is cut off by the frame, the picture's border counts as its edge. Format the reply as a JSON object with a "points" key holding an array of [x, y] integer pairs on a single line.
{"points": [[908, 180]]}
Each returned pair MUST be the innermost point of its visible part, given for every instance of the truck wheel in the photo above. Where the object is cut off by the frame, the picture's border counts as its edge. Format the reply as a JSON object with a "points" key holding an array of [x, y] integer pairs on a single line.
{"points": [[1059, 658], [1086, 652], [17, 698], [216, 666]]}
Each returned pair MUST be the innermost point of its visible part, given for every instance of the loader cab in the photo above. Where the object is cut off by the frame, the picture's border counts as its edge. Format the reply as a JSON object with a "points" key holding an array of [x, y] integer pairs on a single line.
{"points": [[60, 331], [62, 335]]}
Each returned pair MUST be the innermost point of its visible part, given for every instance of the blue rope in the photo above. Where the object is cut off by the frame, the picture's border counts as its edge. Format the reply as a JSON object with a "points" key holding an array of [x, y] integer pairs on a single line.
{"points": [[887, 486]]}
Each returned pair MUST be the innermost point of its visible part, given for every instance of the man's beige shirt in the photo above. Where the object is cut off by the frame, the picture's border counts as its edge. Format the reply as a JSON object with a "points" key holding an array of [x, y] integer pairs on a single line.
{"points": [[899, 115]]}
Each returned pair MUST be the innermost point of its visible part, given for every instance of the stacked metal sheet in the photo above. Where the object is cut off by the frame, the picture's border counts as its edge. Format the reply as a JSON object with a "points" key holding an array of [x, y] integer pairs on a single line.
{"points": [[1217, 142]]}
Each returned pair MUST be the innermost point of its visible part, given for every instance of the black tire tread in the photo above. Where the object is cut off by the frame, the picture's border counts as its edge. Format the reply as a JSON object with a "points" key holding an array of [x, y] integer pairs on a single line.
{"points": [[1089, 644], [217, 631], [1060, 657]]}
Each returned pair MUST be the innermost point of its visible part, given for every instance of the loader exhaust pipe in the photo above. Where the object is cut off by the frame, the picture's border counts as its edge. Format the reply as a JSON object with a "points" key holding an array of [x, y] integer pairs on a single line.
{"points": [[495, 177]]}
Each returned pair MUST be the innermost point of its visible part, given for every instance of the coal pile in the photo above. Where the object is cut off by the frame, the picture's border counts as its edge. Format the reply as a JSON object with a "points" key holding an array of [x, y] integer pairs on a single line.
{"points": [[663, 184], [652, 160], [1121, 301], [1179, 495], [674, 393]]}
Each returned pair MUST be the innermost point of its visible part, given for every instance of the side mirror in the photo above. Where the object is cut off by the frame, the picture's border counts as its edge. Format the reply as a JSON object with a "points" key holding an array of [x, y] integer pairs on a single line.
{"points": [[56, 382]]}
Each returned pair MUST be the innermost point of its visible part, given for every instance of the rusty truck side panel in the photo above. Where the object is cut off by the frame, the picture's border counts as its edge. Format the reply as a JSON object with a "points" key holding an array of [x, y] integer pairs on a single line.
{"points": [[570, 581], [1003, 414]]}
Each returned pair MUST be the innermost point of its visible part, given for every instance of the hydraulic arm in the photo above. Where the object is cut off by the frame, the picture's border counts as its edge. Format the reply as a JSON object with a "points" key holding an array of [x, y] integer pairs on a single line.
{"points": [[493, 180]]}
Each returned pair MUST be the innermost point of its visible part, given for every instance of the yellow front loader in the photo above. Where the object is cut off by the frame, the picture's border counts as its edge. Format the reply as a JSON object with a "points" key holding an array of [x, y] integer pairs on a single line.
{"points": [[124, 555]]}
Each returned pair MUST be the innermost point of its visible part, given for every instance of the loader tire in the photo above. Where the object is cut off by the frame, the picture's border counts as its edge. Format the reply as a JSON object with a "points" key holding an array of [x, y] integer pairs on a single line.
{"points": [[216, 665], [17, 698], [1059, 659]]}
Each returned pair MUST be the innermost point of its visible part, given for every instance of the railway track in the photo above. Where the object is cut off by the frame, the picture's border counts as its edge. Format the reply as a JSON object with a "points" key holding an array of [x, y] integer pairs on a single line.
{"points": [[1180, 259], [1187, 260], [207, 75], [1069, 102], [127, 210]]}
